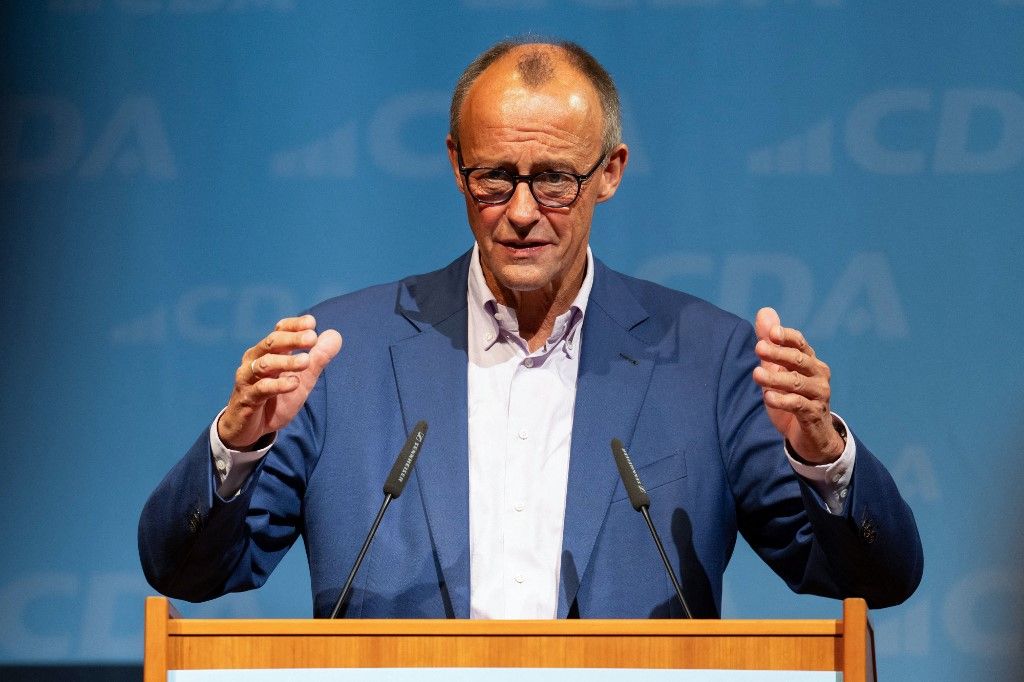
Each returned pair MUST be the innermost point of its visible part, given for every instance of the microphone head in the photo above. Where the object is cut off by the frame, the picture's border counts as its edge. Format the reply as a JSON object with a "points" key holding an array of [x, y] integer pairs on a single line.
{"points": [[638, 497], [402, 468]]}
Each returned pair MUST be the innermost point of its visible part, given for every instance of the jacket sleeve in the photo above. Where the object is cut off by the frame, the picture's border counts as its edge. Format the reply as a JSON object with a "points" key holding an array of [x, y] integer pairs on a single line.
{"points": [[871, 550], [195, 545]]}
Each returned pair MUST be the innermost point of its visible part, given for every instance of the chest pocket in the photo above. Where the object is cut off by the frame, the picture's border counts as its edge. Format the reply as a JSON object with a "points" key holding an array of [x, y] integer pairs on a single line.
{"points": [[656, 474]]}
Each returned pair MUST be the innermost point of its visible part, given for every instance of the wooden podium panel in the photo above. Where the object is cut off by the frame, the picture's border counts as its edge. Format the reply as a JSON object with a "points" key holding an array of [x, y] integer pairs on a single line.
{"points": [[174, 643]]}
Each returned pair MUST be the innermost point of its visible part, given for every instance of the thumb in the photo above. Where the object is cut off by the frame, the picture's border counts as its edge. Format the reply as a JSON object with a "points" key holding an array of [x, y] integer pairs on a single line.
{"points": [[766, 319], [323, 351]]}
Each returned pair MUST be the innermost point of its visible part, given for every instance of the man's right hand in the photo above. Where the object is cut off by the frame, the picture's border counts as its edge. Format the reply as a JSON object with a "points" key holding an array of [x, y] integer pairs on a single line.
{"points": [[273, 381]]}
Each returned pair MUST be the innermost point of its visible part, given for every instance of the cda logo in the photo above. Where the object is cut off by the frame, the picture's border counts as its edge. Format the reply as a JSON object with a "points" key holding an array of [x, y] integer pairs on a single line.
{"points": [[969, 131], [46, 137], [861, 300]]}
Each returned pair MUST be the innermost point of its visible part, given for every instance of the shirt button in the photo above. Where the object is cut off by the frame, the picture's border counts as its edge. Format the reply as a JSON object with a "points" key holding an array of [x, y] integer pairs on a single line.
{"points": [[519, 506], [528, 362], [523, 435], [222, 466], [520, 578], [842, 493]]}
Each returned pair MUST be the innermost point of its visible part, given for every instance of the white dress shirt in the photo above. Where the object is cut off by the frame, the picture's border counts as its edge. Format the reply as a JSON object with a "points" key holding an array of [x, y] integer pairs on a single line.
{"points": [[520, 410], [520, 429]]}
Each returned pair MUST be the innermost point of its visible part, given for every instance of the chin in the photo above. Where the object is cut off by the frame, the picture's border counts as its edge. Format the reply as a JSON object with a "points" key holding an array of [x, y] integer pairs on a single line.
{"points": [[522, 278]]}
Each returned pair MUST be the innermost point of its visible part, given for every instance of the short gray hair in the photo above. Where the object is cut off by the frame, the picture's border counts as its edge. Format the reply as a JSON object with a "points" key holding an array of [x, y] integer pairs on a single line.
{"points": [[536, 69]]}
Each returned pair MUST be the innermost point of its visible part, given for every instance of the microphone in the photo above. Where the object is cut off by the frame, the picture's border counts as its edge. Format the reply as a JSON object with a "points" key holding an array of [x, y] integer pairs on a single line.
{"points": [[641, 502], [393, 487]]}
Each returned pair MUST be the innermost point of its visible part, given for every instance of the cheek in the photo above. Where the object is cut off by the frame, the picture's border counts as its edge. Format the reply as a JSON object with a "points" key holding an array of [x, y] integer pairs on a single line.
{"points": [[484, 220], [571, 230]]}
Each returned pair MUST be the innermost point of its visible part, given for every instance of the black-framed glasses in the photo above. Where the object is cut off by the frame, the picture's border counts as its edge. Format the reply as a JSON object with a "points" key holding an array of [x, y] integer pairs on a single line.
{"points": [[551, 189]]}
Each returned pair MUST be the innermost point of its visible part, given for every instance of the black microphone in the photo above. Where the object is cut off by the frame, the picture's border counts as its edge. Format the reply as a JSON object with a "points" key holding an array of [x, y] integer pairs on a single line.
{"points": [[641, 501], [393, 487]]}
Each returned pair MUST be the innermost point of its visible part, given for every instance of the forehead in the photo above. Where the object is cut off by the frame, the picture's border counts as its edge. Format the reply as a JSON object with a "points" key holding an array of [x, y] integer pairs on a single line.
{"points": [[502, 109]]}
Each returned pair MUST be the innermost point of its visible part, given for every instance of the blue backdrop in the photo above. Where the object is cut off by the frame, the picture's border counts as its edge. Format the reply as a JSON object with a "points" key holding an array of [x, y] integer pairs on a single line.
{"points": [[175, 175]]}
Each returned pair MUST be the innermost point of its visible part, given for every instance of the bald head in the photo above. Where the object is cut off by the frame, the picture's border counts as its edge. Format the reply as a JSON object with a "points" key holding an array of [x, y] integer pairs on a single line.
{"points": [[537, 65]]}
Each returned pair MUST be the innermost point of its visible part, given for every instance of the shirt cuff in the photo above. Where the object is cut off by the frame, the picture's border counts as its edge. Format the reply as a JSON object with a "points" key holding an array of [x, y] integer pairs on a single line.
{"points": [[233, 466], [831, 481]]}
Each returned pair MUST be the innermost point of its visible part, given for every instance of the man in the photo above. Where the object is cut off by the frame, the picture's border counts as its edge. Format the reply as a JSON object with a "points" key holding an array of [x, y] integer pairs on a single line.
{"points": [[527, 356]]}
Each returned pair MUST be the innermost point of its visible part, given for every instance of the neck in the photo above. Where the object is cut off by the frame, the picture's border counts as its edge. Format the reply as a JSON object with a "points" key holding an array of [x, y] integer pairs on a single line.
{"points": [[537, 310]]}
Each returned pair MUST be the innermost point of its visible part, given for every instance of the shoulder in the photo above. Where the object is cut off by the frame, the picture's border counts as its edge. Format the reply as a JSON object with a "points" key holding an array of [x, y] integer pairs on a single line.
{"points": [[387, 307], [667, 309]]}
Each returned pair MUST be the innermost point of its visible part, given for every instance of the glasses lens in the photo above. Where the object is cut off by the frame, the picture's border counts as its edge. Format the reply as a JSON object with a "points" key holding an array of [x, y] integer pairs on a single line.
{"points": [[490, 185], [555, 189]]}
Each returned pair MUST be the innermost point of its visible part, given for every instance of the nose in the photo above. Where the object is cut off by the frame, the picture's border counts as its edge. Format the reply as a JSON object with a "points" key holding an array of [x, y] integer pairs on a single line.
{"points": [[522, 209]]}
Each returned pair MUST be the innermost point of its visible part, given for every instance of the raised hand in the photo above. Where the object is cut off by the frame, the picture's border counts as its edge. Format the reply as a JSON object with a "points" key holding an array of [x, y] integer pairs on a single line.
{"points": [[273, 381], [796, 390]]}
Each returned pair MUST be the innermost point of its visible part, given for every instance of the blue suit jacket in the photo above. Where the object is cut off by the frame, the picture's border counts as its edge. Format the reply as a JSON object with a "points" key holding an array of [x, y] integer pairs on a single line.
{"points": [[665, 372]]}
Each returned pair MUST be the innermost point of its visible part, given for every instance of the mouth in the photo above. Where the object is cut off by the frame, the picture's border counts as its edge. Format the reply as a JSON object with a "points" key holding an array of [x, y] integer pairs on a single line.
{"points": [[524, 248]]}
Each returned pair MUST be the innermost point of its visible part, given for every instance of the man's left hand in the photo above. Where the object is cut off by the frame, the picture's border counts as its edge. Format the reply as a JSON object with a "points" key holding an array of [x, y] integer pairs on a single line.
{"points": [[795, 386]]}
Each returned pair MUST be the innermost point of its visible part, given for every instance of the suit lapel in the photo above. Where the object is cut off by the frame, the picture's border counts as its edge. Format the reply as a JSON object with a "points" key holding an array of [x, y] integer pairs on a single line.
{"points": [[610, 388], [430, 372]]}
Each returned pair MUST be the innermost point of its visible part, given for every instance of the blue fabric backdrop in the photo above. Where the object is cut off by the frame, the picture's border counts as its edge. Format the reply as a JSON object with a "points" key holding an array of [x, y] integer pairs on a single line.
{"points": [[175, 175]]}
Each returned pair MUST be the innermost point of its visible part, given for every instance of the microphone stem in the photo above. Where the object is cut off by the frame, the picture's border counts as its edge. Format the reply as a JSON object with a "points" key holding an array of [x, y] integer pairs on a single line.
{"points": [[362, 555], [664, 558]]}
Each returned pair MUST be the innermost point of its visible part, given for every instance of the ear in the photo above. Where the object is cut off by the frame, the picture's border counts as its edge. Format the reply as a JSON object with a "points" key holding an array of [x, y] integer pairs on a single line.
{"points": [[611, 175], [453, 160]]}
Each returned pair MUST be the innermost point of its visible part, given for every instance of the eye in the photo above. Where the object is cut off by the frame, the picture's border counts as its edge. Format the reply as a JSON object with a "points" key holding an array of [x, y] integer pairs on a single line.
{"points": [[490, 179], [555, 180], [490, 185]]}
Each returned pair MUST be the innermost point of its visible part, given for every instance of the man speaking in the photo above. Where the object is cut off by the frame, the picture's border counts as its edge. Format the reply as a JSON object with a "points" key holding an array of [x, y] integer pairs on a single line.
{"points": [[526, 356]]}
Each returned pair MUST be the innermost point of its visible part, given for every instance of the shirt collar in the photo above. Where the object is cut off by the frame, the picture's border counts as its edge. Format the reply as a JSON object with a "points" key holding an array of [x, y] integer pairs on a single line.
{"points": [[503, 319]]}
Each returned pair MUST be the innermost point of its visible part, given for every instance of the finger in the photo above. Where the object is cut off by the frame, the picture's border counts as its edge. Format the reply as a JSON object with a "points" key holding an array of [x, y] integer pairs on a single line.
{"points": [[273, 365], [813, 388], [264, 389], [281, 342], [791, 338], [296, 324], [766, 319], [806, 411], [773, 356], [327, 346]]}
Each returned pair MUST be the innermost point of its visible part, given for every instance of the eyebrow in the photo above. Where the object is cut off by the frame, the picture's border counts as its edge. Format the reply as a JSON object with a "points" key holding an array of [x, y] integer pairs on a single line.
{"points": [[542, 166]]}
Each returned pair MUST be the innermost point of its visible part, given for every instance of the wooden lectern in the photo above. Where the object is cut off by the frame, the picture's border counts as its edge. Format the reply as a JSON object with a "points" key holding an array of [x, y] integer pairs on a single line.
{"points": [[174, 643]]}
